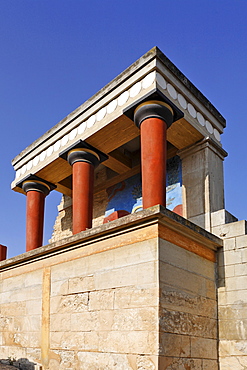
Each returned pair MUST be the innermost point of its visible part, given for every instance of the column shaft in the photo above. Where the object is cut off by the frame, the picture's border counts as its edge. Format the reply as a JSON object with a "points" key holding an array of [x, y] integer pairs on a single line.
{"points": [[83, 181], [153, 157], [34, 219]]}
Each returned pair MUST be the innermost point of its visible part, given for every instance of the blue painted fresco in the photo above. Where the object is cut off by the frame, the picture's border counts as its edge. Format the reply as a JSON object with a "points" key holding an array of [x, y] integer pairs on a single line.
{"points": [[127, 195]]}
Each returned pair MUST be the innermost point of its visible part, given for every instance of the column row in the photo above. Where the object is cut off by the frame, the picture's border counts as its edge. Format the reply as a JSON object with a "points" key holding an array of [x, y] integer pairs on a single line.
{"points": [[153, 118]]}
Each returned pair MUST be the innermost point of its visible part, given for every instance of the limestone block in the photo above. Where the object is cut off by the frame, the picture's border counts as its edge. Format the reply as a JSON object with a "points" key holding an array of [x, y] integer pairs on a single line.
{"points": [[63, 360], [128, 342], [233, 312], [70, 269], [230, 230], [84, 321], [146, 363], [240, 270], [233, 362], [229, 271], [184, 280], [81, 284], [177, 300], [174, 345], [178, 363], [241, 241], [101, 300], [34, 339], [201, 220], [60, 322], [222, 217], [33, 307], [69, 303], [31, 323], [136, 319], [194, 185], [33, 278], [233, 257], [229, 348], [91, 341], [21, 339], [187, 324], [63, 340], [177, 256], [233, 283], [244, 255], [134, 253], [5, 297], [13, 283], [230, 243], [210, 289], [232, 329], [103, 361], [4, 351], [236, 297], [13, 309], [130, 297], [60, 287], [143, 273], [204, 348], [210, 365]]}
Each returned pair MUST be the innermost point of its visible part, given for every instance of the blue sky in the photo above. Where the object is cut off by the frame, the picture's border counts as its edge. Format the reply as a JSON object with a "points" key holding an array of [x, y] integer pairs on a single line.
{"points": [[57, 54]]}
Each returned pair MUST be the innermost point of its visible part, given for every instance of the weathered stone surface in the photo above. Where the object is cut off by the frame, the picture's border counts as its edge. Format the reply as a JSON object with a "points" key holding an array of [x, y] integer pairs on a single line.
{"points": [[186, 260], [176, 363], [233, 362], [231, 230], [187, 281], [101, 300], [204, 348], [185, 323], [174, 345], [69, 303], [179, 300]]}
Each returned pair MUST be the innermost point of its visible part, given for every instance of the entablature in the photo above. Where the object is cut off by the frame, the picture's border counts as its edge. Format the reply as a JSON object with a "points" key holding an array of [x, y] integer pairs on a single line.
{"points": [[102, 123]]}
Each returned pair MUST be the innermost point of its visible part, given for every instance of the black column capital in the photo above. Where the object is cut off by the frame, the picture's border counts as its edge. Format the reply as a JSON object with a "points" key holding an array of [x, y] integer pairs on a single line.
{"points": [[36, 185], [81, 151], [83, 155], [153, 109]]}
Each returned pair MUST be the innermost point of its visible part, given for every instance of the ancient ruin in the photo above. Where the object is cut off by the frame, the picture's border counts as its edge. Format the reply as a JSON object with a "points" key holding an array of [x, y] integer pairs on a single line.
{"points": [[145, 269]]}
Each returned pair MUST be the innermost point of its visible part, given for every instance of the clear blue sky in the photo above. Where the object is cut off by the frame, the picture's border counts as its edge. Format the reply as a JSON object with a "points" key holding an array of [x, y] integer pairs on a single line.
{"points": [[55, 54]]}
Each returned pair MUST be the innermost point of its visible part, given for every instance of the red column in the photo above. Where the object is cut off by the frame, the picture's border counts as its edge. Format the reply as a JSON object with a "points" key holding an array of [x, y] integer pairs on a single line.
{"points": [[36, 193], [83, 162], [3, 252], [82, 193], [153, 118]]}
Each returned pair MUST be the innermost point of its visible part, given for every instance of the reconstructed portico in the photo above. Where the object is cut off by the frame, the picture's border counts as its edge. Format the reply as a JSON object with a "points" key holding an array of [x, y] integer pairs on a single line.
{"points": [[129, 277], [166, 107]]}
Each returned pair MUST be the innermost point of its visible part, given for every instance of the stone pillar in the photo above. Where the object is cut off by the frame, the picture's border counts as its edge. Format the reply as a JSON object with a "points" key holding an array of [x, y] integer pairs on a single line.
{"points": [[83, 161], [36, 192], [203, 181], [153, 118]]}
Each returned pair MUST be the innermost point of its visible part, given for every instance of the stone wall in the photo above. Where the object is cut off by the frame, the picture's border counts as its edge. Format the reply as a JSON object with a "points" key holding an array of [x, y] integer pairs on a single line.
{"points": [[132, 295], [232, 294]]}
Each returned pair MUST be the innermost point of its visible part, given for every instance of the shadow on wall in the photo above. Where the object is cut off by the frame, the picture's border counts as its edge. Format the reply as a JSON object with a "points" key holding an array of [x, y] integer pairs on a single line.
{"points": [[21, 363]]}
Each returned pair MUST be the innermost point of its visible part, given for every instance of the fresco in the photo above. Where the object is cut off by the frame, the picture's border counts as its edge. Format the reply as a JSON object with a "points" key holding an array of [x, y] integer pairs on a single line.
{"points": [[127, 195]]}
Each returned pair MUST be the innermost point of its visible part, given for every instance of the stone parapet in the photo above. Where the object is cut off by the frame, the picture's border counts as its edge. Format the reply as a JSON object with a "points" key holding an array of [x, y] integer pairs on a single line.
{"points": [[138, 292]]}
